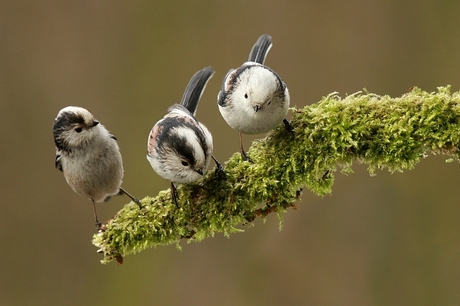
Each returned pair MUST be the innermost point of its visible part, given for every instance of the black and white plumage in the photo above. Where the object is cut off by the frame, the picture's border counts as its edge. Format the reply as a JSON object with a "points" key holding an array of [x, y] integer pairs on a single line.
{"points": [[88, 155], [179, 148], [253, 99]]}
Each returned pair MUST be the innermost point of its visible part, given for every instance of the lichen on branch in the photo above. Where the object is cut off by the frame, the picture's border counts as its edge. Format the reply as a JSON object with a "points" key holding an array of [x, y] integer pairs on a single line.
{"points": [[379, 131]]}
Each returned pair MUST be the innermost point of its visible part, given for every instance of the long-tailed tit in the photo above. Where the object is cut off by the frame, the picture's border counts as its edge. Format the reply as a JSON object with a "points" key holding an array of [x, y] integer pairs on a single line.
{"points": [[179, 148], [88, 155], [253, 98]]}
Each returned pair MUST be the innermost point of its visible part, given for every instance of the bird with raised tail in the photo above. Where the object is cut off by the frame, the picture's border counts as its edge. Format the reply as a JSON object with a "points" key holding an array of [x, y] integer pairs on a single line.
{"points": [[253, 98]]}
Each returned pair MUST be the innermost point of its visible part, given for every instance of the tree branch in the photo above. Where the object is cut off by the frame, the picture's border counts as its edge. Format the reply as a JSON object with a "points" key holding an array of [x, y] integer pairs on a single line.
{"points": [[380, 131]]}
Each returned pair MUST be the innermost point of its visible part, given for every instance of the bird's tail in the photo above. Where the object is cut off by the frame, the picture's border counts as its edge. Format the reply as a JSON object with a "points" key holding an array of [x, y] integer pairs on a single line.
{"points": [[195, 88], [260, 49]]}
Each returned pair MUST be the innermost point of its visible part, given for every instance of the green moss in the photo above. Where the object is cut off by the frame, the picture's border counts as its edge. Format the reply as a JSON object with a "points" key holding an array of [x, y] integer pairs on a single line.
{"points": [[379, 131]]}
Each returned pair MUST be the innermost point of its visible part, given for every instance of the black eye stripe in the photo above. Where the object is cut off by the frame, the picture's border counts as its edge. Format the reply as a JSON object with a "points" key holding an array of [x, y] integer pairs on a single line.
{"points": [[242, 69], [67, 120], [182, 148], [171, 140]]}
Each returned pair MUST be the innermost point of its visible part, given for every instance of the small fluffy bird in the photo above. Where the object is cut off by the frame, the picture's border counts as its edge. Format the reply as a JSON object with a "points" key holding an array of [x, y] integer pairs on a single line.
{"points": [[179, 148], [89, 156], [253, 98]]}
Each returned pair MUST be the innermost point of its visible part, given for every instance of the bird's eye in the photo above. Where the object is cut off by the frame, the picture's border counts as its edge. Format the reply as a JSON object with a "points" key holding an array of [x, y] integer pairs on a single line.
{"points": [[269, 102], [78, 130], [245, 95], [184, 163]]}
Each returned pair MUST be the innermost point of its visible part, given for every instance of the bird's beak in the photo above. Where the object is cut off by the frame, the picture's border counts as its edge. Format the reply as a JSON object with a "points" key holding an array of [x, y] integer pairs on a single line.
{"points": [[95, 122], [199, 171], [256, 108]]}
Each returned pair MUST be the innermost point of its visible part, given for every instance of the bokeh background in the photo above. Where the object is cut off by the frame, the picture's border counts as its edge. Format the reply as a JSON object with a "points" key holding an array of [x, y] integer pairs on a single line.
{"points": [[392, 239]]}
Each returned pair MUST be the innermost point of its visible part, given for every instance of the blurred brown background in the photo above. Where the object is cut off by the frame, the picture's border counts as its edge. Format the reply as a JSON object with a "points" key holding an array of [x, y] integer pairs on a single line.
{"points": [[392, 239]]}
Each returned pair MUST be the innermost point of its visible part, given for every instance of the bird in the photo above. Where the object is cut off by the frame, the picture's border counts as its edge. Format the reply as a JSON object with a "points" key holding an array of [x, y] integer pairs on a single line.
{"points": [[89, 156], [253, 99], [179, 147]]}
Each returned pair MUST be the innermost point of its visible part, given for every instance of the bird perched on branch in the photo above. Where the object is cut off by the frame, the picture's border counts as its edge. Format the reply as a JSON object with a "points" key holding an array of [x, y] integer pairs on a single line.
{"points": [[253, 98], [88, 155], [179, 148]]}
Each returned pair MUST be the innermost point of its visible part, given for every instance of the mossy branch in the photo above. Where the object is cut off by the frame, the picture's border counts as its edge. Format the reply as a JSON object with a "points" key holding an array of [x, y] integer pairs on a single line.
{"points": [[380, 131]]}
